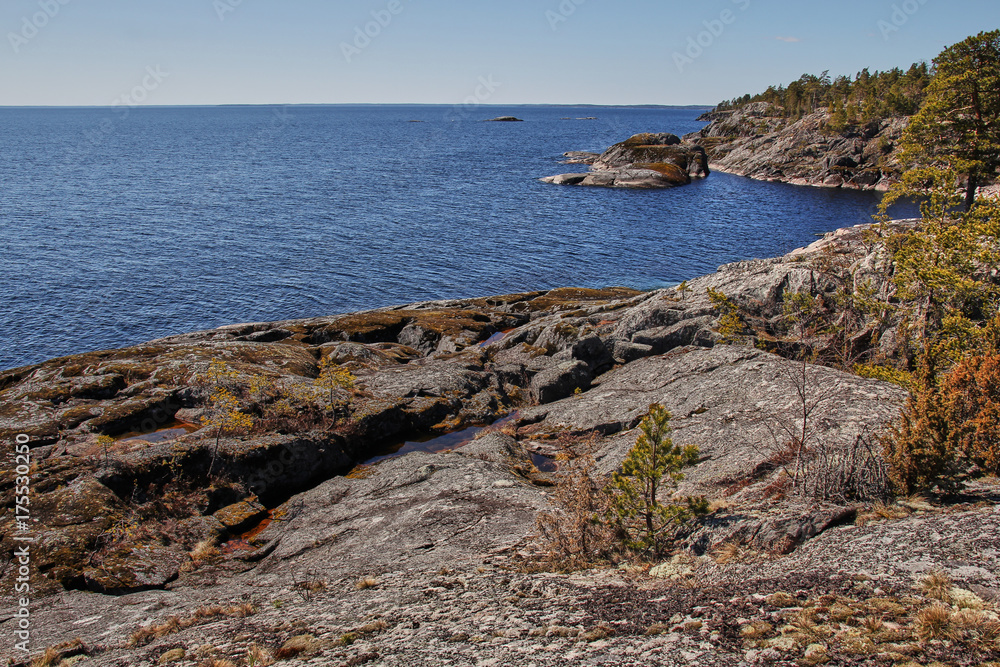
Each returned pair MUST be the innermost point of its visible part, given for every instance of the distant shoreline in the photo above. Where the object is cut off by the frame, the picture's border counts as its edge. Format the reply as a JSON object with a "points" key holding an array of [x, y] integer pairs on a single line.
{"points": [[365, 104]]}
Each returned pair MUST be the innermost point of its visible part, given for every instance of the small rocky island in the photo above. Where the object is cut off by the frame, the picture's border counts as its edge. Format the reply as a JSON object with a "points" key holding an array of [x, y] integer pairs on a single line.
{"points": [[274, 540], [643, 161]]}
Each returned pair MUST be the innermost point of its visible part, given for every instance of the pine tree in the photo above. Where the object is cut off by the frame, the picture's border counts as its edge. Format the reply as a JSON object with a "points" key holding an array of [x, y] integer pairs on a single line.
{"points": [[652, 466], [333, 377], [225, 417], [958, 126]]}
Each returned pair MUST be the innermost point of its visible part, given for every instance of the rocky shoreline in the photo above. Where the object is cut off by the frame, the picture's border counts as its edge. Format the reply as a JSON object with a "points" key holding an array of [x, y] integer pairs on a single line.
{"points": [[292, 550], [756, 141]]}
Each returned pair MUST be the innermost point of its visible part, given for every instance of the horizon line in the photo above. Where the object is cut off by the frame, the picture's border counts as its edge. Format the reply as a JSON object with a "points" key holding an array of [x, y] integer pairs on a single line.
{"points": [[354, 104]]}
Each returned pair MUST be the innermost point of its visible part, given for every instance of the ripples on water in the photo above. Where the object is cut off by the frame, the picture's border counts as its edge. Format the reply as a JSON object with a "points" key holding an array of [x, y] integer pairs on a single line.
{"points": [[119, 230]]}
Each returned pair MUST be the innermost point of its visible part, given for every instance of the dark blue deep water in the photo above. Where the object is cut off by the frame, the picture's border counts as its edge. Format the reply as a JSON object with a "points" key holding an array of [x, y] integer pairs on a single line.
{"points": [[116, 228]]}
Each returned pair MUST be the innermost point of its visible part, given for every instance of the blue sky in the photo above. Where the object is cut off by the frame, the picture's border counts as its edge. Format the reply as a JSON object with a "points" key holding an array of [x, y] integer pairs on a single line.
{"points": [[96, 52]]}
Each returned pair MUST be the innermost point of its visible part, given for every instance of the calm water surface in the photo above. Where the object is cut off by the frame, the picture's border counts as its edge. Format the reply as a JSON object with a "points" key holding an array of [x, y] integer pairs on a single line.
{"points": [[116, 229]]}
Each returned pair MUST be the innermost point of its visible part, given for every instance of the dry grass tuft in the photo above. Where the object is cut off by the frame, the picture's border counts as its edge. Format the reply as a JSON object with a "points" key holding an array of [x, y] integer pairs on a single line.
{"points": [[50, 658], [756, 630], [886, 607], [258, 656], [937, 586], [174, 624], [841, 613], [728, 553], [297, 645], [974, 624], [371, 628], [204, 551], [873, 624], [596, 634], [658, 629], [561, 631], [933, 622], [882, 512], [781, 600]]}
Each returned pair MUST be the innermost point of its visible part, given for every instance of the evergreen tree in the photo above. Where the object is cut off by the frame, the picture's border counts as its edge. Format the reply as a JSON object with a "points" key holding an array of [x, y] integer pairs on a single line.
{"points": [[958, 126], [653, 465]]}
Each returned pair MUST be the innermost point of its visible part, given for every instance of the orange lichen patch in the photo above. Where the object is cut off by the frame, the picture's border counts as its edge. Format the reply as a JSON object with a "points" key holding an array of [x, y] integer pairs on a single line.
{"points": [[360, 472], [505, 299], [385, 326], [566, 298], [671, 171], [642, 139]]}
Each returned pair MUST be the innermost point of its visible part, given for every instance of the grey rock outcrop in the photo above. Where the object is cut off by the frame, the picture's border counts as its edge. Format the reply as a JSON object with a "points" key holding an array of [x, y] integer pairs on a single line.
{"points": [[731, 401], [422, 557], [643, 161], [757, 142]]}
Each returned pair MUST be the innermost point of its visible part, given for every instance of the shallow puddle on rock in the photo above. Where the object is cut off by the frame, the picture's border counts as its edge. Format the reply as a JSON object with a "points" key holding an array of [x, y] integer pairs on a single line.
{"points": [[244, 541], [172, 431], [455, 440], [500, 335], [432, 444]]}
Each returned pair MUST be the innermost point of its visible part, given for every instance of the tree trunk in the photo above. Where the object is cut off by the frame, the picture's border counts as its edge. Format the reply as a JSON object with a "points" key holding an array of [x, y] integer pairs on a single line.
{"points": [[970, 191]]}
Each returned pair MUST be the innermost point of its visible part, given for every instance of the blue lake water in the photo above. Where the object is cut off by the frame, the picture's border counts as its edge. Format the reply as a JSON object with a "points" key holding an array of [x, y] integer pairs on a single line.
{"points": [[119, 227]]}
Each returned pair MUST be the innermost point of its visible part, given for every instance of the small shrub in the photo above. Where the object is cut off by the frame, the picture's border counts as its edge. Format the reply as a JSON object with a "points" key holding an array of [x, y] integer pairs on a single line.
{"points": [[336, 379], [971, 392], [307, 589], [918, 448], [731, 325], [575, 533], [347, 639]]}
